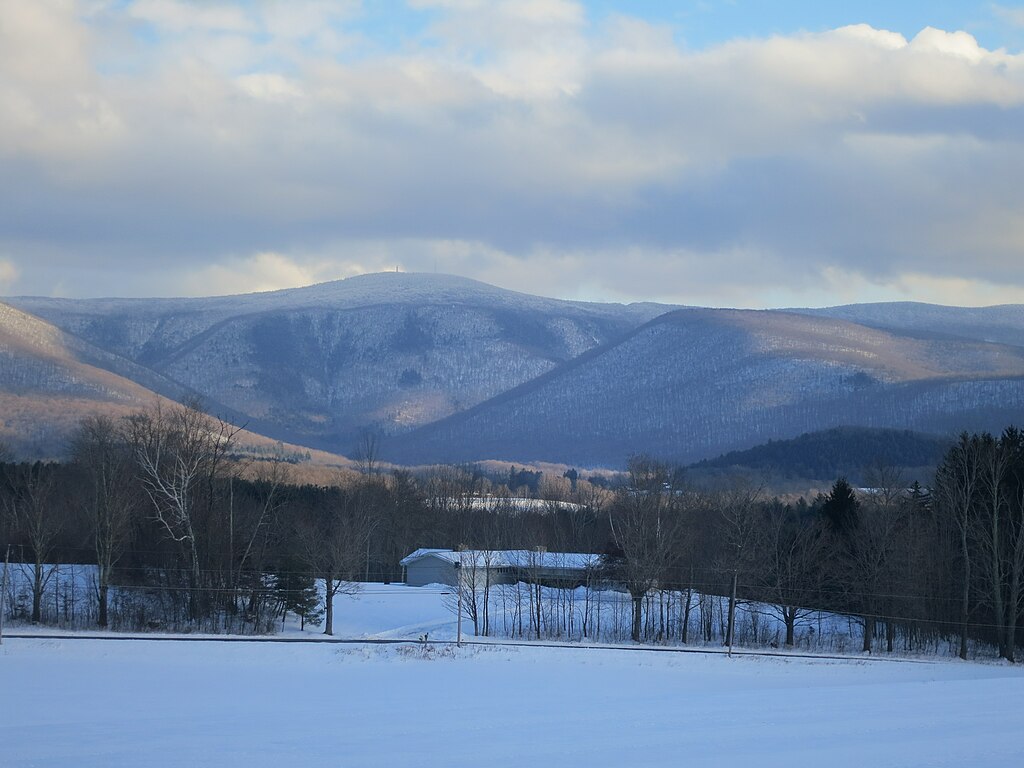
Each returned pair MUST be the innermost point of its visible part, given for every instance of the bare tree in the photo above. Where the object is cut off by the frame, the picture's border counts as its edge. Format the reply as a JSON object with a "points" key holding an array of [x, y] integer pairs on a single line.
{"points": [[473, 573], [791, 564], [742, 525], [179, 452], [404, 523], [990, 521], [31, 506], [367, 453], [957, 485], [102, 450], [1014, 440], [331, 531], [644, 524], [253, 527], [875, 561], [999, 532]]}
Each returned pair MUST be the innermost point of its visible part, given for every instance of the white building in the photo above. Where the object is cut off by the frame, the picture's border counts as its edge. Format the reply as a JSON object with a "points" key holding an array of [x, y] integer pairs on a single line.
{"points": [[439, 566]]}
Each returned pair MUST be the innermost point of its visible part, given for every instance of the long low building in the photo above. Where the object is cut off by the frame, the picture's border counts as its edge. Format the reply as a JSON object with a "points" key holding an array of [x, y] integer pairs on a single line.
{"points": [[505, 566]]}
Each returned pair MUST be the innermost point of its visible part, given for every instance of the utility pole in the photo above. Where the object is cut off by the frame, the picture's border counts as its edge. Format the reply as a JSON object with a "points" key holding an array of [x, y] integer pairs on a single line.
{"points": [[3, 592]]}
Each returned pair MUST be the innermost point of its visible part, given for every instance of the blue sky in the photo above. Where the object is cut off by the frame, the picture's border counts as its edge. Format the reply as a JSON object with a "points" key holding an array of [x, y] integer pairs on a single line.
{"points": [[720, 153], [714, 21], [698, 24], [701, 23]]}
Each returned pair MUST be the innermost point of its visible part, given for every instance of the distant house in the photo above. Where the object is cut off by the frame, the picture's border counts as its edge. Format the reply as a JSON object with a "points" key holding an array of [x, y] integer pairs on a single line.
{"points": [[508, 566]]}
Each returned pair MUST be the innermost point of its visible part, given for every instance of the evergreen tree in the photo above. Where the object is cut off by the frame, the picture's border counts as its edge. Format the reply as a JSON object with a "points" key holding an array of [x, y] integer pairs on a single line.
{"points": [[297, 593], [841, 509]]}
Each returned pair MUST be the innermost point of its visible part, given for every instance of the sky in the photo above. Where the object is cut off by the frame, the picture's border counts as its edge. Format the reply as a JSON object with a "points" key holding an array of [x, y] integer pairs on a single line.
{"points": [[721, 153]]}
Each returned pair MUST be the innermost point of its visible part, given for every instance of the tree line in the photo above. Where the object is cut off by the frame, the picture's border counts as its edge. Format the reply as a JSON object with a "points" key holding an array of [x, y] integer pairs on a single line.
{"points": [[181, 535]]}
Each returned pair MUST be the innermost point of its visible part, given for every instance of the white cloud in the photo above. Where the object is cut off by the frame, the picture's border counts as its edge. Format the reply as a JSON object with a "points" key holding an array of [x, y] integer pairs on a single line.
{"points": [[1013, 16], [178, 16], [262, 272], [516, 142], [881, 38], [270, 87], [959, 44], [522, 49], [8, 275], [850, 287]]}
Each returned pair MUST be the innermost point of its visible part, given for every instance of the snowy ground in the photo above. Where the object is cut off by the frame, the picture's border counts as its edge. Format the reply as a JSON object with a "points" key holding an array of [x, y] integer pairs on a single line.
{"points": [[396, 611], [67, 702]]}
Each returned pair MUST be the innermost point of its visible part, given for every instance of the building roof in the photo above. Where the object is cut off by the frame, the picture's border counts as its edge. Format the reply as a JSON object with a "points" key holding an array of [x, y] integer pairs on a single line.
{"points": [[509, 558]]}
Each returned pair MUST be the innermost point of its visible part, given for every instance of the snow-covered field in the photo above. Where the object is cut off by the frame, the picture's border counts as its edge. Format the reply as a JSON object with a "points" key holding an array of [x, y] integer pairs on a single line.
{"points": [[72, 702]]}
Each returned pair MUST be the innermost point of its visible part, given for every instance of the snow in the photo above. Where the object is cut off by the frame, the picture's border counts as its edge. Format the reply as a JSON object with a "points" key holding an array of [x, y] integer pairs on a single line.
{"points": [[76, 702], [506, 558]]}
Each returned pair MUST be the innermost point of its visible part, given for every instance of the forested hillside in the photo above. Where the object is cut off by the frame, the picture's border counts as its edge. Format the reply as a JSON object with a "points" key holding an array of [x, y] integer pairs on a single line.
{"points": [[439, 368], [179, 535], [852, 452], [317, 365], [695, 383]]}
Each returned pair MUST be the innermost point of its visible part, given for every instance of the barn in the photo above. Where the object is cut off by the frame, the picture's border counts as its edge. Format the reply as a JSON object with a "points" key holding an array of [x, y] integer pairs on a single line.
{"points": [[508, 566]]}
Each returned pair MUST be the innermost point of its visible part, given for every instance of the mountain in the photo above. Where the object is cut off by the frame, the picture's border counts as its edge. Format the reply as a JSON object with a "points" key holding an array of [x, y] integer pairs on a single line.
{"points": [[50, 379], [450, 369], [695, 383], [316, 365], [999, 324], [823, 456]]}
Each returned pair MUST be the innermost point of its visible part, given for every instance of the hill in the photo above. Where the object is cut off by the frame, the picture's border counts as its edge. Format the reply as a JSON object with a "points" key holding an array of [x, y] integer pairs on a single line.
{"points": [[316, 365], [850, 452], [447, 369], [1000, 324], [696, 383], [50, 380]]}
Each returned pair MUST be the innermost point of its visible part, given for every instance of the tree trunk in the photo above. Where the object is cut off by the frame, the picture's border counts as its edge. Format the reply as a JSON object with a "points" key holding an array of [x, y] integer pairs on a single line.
{"points": [[538, 608], [730, 632], [686, 614], [195, 598], [37, 593], [966, 595], [487, 601], [103, 605], [996, 565], [329, 606], [869, 633], [1011, 617], [789, 614], [638, 612]]}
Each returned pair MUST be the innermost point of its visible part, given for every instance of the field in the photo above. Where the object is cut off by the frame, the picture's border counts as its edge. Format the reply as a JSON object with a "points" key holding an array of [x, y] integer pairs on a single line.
{"points": [[77, 702]]}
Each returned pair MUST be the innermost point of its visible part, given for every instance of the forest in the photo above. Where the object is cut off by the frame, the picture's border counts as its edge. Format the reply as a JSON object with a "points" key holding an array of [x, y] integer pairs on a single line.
{"points": [[178, 532]]}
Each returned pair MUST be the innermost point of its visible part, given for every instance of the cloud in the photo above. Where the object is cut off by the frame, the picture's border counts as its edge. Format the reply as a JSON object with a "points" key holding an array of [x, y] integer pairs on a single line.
{"points": [[521, 143], [8, 274], [260, 272], [180, 17], [1013, 16]]}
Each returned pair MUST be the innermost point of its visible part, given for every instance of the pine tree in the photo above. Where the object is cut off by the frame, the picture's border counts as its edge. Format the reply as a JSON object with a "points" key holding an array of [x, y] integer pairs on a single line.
{"points": [[297, 593], [841, 508]]}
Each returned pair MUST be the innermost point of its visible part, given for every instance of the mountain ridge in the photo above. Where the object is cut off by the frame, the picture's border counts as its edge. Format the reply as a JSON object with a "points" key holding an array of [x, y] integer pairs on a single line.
{"points": [[444, 368]]}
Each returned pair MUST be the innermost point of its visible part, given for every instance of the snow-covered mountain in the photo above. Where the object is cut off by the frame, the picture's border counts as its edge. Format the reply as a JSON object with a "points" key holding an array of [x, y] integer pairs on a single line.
{"points": [[449, 369], [696, 383], [49, 379], [1002, 324], [316, 365]]}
